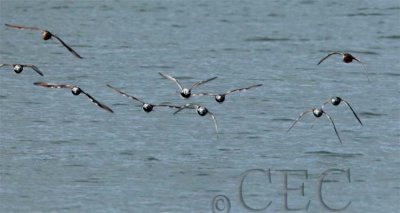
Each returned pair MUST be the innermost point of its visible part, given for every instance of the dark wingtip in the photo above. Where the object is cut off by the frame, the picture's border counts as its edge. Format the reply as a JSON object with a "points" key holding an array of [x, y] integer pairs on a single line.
{"points": [[108, 109], [75, 53]]}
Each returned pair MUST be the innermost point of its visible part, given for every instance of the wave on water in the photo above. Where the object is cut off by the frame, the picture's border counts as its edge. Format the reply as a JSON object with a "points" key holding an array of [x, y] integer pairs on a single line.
{"points": [[391, 74], [371, 114], [151, 158], [88, 180], [265, 39], [334, 154], [156, 66], [390, 37], [366, 14], [282, 119], [127, 152]]}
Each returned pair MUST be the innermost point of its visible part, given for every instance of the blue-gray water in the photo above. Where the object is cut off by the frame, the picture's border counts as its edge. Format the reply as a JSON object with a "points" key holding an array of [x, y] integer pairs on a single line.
{"points": [[60, 153]]}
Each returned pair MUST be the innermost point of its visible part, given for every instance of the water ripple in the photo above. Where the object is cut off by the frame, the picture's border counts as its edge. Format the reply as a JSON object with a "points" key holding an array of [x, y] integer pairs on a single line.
{"points": [[127, 152], [390, 37], [334, 154], [156, 66], [283, 119], [391, 74], [74, 165], [372, 114], [265, 39], [366, 14], [152, 159], [60, 141], [88, 180]]}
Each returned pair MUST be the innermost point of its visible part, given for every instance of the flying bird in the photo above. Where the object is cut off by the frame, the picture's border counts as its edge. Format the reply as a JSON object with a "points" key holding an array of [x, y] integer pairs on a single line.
{"points": [[346, 58], [336, 101], [46, 35], [19, 67], [202, 111], [186, 92], [75, 90], [317, 112], [146, 106], [221, 97]]}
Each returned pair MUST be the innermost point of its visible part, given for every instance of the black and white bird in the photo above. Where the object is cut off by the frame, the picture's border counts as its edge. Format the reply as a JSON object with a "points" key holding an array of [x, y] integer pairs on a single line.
{"points": [[46, 35], [146, 106], [221, 96], [317, 112], [185, 92], [75, 90], [335, 101], [346, 58], [201, 110], [19, 67]]}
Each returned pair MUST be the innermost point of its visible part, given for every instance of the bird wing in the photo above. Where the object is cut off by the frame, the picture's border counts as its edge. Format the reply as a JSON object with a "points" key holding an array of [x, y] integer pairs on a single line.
{"points": [[203, 94], [332, 53], [301, 115], [354, 113], [190, 106], [215, 121], [34, 68], [243, 89], [124, 94], [167, 105], [334, 127], [172, 79], [97, 103], [52, 85], [202, 82], [66, 46], [364, 66], [3, 65], [22, 27], [323, 104]]}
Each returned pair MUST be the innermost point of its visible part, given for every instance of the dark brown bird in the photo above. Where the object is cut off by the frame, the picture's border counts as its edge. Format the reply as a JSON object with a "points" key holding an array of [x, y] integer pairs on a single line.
{"points": [[146, 106], [76, 91], [46, 35], [19, 67], [346, 58]]}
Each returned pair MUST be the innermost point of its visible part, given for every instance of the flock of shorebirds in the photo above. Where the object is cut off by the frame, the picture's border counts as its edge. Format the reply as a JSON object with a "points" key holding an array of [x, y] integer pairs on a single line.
{"points": [[185, 92]]}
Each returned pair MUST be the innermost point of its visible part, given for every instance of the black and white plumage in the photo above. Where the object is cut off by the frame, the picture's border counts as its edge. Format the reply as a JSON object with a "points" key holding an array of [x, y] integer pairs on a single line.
{"points": [[317, 112], [146, 106], [221, 97], [185, 92], [336, 101], [76, 91], [346, 58], [46, 35], [201, 110], [19, 67]]}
